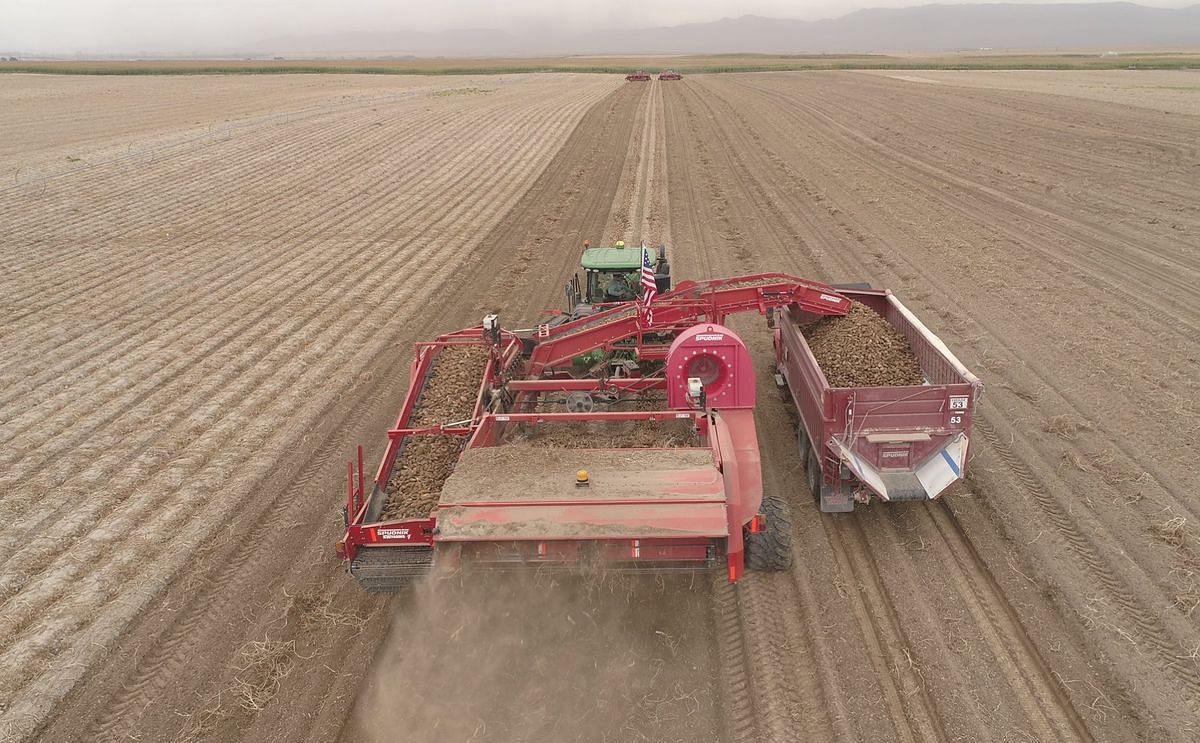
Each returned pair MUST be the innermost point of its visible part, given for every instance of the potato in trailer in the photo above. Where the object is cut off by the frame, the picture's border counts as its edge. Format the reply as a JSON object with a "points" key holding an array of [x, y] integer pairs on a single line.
{"points": [[894, 443]]}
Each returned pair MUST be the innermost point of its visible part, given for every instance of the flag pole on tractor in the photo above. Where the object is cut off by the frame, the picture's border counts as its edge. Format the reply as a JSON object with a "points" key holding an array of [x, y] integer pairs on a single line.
{"points": [[649, 288]]}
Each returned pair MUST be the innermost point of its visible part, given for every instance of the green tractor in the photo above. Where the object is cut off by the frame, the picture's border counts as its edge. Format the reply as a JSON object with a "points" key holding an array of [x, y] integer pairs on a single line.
{"points": [[613, 274]]}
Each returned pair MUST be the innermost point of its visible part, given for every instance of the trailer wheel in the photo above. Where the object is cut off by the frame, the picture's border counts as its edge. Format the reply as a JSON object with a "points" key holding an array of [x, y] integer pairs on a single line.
{"points": [[802, 443], [771, 549], [812, 474]]}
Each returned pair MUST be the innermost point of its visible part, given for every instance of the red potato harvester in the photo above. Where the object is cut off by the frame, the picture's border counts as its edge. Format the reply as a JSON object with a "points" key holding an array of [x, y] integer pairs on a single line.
{"points": [[523, 496]]}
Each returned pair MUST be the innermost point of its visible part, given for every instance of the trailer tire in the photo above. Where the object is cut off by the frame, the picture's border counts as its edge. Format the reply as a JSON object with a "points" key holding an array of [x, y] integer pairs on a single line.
{"points": [[771, 549], [812, 475], [803, 445]]}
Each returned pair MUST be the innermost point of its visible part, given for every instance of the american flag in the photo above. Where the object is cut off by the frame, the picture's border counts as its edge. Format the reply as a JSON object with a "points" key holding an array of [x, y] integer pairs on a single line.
{"points": [[649, 288]]}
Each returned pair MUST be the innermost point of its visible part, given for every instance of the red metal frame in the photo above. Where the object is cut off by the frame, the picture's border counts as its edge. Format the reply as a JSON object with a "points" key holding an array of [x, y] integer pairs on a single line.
{"points": [[689, 303], [672, 336], [416, 531]]}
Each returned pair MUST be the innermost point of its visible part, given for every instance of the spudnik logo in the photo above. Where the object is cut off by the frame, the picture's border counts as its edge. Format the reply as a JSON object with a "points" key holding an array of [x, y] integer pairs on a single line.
{"points": [[393, 533], [710, 337]]}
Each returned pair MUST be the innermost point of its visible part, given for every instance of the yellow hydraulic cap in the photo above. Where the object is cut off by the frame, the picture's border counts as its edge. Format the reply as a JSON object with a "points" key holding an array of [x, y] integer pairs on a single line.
{"points": [[620, 243], [581, 479]]}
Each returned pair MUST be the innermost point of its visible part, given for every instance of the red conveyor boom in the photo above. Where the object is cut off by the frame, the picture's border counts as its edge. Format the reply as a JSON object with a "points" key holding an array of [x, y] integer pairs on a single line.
{"points": [[689, 303]]}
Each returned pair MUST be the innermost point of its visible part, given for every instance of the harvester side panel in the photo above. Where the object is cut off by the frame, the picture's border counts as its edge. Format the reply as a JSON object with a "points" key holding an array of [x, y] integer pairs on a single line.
{"points": [[363, 509]]}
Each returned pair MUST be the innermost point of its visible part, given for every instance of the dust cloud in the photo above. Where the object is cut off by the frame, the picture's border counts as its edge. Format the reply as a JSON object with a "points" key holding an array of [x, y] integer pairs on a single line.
{"points": [[539, 657]]}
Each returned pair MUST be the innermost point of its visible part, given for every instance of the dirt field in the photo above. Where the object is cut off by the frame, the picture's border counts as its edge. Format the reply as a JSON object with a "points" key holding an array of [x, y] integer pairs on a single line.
{"points": [[1176, 91], [195, 338]]}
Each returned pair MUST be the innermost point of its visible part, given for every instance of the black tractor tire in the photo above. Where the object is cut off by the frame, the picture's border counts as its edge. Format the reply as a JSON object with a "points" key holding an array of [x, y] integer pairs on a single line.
{"points": [[771, 549], [812, 474]]}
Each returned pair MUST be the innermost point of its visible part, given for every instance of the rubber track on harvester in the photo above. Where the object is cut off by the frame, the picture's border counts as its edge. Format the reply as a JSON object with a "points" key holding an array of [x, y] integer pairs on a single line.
{"points": [[390, 569]]}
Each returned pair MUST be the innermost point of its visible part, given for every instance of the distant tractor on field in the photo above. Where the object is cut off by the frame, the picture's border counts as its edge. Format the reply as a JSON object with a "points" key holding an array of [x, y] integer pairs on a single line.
{"points": [[638, 77], [669, 75]]}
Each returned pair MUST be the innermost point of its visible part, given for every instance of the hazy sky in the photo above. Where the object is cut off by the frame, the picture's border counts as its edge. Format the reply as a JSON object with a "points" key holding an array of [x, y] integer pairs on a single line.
{"points": [[212, 25]]}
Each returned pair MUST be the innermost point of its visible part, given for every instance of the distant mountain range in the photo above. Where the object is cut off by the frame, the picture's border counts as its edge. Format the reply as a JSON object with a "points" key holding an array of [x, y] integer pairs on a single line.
{"points": [[922, 28]]}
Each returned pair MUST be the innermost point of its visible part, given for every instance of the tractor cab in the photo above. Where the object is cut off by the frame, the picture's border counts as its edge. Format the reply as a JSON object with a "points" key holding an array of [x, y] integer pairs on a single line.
{"points": [[614, 274]]}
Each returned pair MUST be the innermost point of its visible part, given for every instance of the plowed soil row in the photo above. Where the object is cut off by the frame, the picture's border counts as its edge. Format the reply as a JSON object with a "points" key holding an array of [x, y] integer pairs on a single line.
{"points": [[169, 465], [82, 122], [1018, 588], [648, 648], [190, 367]]}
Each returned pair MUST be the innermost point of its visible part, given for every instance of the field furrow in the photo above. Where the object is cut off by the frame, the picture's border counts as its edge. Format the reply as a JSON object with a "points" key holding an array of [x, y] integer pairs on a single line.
{"points": [[170, 430], [210, 293]]}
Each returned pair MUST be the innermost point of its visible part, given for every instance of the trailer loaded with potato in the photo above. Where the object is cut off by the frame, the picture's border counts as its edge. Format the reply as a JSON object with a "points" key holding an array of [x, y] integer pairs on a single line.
{"points": [[885, 408], [626, 439]]}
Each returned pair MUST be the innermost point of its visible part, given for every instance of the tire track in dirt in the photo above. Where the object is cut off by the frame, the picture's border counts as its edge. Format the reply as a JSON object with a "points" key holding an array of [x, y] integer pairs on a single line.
{"points": [[774, 642], [772, 238], [627, 206], [888, 644], [662, 137], [551, 223], [737, 708], [1059, 716], [656, 223], [904, 714], [853, 236], [1167, 644]]}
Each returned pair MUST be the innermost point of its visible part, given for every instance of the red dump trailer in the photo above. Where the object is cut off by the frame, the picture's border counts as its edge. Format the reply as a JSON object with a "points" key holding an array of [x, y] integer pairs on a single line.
{"points": [[640, 76], [900, 443]]}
